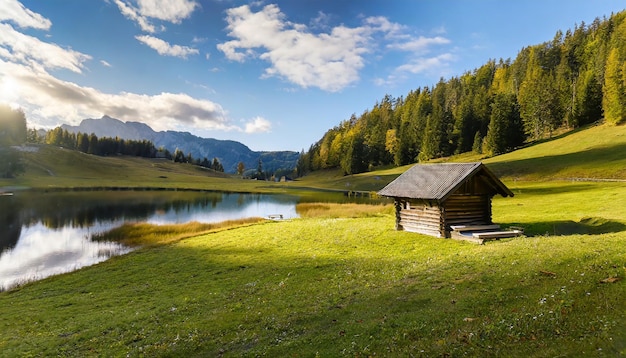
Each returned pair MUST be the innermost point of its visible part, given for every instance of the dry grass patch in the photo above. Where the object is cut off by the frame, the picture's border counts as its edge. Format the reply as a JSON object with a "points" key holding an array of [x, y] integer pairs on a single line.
{"points": [[334, 210], [144, 234]]}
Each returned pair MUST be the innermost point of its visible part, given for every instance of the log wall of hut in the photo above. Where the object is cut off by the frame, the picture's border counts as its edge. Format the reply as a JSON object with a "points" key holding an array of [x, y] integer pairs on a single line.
{"points": [[467, 210], [420, 216]]}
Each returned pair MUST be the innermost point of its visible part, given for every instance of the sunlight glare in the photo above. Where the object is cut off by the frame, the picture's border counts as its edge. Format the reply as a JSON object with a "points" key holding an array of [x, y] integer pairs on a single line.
{"points": [[9, 92]]}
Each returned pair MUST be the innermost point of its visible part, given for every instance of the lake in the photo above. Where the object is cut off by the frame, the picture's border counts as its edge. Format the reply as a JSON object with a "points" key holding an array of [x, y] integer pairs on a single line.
{"points": [[44, 234]]}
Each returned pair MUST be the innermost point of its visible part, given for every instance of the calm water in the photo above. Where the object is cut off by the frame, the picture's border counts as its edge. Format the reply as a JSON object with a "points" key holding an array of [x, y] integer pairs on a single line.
{"points": [[47, 234]]}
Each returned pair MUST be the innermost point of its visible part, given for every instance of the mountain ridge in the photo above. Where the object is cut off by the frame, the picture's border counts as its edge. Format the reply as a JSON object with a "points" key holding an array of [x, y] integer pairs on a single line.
{"points": [[228, 152]]}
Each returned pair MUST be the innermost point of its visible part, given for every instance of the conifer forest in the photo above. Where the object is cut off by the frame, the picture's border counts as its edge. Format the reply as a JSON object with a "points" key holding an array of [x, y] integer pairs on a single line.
{"points": [[577, 78]]}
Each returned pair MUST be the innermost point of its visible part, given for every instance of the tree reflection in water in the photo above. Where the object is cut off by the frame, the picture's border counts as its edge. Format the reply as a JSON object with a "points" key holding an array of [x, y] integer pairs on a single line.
{"points": [[43, 234]]}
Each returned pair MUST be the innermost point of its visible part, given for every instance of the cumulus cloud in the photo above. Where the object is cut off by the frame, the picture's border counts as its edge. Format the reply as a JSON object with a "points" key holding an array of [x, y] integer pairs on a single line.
{"points": [[48, 97], [14, 11], [173, 11], [18, 47], [258, 125], [165, 49], [328, 60], [132, 13]]}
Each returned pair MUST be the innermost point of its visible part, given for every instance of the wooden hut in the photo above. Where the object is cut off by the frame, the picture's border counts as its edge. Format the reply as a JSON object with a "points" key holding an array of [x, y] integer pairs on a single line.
{"points": [[445, 199]]}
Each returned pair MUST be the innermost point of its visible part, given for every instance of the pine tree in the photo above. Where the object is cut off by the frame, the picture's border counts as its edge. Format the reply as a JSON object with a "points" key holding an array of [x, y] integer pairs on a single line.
{"points": [[179, 156], [477, 146], [505, 130], [82, 142], [93, 144]]}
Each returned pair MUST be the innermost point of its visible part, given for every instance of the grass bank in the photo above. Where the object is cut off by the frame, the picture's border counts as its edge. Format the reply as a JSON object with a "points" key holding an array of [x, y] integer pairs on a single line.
{"points": [[333, 286]]}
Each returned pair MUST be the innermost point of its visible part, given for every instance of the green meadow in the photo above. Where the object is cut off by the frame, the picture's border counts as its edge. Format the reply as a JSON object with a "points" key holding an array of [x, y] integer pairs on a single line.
{"points": [[340, 281]]}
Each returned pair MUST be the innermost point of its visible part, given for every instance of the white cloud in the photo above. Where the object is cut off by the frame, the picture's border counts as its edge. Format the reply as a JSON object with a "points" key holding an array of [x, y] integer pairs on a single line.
{"points": [[420, 44], [105, 64], [258, 125], [133, 14], [14, 11], [382, 24], [165, 49], [173, 11], [440, 30], [198, 40], [48, 100], [330, 61], [17, 47], [422, 64], [322, 21]]}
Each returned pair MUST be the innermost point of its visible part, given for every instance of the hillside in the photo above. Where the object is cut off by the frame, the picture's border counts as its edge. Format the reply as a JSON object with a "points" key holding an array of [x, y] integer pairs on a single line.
{"points": [[590, 153], [52, 167], [595, 153]]}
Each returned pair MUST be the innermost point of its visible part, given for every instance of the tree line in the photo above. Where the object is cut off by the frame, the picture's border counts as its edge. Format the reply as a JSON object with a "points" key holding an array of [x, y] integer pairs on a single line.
{"points": [[105, 146], [577, 78]]}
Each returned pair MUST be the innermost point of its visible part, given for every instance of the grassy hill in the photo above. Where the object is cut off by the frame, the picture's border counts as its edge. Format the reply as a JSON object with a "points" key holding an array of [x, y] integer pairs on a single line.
{"points": [[592, 153], [53, 167], [595, 152]]}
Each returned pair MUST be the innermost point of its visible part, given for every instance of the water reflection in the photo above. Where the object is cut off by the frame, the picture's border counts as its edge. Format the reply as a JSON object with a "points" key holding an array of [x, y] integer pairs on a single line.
{"points": [[47, 234], [42, 252]]}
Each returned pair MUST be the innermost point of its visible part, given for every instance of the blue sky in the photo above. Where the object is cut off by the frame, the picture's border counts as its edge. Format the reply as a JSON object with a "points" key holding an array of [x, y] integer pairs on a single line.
{"points": [[274, 75]]}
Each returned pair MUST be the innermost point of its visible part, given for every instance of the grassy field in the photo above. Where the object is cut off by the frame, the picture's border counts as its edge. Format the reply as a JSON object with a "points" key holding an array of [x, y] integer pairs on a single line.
{"points": [[327, 286], [340, 281]]}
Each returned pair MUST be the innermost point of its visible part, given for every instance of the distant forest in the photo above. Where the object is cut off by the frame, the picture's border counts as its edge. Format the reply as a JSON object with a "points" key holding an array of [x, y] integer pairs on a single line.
{"points": [[105, 146], [577, 78]]}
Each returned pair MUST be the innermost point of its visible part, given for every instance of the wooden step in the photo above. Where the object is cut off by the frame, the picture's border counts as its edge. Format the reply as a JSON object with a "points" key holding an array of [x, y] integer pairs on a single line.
{"points": [[474, 227], [496, 234]]}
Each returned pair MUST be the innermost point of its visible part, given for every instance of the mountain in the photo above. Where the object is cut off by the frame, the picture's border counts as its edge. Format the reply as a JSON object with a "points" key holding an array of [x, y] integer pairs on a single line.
{"points": [[229, 152]]}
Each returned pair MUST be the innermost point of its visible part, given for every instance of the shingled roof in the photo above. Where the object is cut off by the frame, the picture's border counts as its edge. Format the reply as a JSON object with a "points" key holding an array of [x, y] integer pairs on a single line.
{"points": [[438, 181]]}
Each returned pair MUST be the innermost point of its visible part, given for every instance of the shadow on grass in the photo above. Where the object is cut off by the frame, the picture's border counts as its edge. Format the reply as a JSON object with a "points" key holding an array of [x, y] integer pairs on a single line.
{"points": [[586, 226]]}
